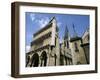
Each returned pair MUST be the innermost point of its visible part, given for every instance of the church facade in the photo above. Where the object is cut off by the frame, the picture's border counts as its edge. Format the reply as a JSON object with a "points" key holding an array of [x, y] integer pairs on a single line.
{"points": [[46, 50]]}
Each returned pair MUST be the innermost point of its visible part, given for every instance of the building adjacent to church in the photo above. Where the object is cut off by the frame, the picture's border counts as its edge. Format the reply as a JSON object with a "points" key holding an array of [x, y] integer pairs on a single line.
{"points": [[46, 50]]}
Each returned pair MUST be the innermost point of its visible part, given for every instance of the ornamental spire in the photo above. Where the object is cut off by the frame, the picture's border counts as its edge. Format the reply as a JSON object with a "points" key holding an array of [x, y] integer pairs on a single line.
{"points": [[66, 33], [75, 34]]}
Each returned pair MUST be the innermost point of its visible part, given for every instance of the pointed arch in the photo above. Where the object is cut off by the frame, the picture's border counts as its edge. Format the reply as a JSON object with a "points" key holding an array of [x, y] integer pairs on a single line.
{"points": [[43, 58], [35, 60]]}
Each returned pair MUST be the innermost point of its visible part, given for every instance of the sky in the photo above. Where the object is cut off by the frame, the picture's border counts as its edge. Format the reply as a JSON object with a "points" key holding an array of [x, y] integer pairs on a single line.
{"points": [[36, 21]]}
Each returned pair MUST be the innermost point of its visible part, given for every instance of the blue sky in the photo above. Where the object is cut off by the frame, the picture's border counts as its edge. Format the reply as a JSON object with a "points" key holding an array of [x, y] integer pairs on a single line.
{"points": [[36, 21]]}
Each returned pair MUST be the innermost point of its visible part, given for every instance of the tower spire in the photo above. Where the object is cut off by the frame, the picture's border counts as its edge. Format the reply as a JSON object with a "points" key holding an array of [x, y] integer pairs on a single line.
{"points": [[75, 34], [66, 33]]}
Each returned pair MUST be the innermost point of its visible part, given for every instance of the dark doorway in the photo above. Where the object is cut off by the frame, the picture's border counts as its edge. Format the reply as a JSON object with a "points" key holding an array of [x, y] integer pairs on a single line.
{"points": [[35, 60], [43, 58]]}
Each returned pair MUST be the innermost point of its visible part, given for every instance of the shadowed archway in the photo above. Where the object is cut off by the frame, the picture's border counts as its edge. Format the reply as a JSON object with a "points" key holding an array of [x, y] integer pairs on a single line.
{"points": [[43, 58], [35, 60]]}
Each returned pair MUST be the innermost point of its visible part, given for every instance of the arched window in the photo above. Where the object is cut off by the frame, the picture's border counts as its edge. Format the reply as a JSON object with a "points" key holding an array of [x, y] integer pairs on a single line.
{"points": [[67, 44], [55, 58], [76, 47], [64, 44], [88, 38], [55, 41]]}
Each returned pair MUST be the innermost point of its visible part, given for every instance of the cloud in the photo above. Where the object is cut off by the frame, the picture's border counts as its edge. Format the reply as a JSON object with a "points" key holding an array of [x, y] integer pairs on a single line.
{"points": [[27, 48], [32, 16], [42, 22], [59, 24]]}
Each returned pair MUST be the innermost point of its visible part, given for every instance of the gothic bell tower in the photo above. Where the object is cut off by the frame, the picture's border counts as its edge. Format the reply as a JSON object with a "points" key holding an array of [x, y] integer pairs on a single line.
{"points": [[77, 51], [67, 56]]}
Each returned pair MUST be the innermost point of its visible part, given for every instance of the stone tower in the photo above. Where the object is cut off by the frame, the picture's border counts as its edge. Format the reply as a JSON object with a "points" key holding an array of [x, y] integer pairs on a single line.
{"points": [[45, 49], [78, 53], [66, 49], [54, 58]]}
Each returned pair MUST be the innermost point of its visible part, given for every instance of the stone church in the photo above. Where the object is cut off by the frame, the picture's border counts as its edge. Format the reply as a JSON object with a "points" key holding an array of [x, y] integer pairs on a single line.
{"points": [[46, 50]]}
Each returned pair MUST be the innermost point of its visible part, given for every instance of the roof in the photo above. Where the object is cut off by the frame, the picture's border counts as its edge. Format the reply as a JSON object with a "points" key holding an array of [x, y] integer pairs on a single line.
{"points": [[75, 38]]}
